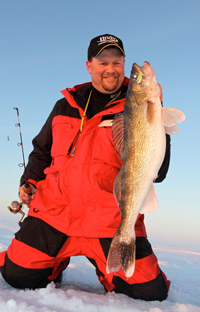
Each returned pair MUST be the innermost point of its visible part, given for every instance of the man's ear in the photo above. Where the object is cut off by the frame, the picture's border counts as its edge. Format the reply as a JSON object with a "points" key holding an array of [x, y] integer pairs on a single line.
{"points": [[88, 65]]}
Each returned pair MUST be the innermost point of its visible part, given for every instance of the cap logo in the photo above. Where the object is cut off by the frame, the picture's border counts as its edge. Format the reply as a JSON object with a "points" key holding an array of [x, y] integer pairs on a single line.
{"points": [[107, 39]]}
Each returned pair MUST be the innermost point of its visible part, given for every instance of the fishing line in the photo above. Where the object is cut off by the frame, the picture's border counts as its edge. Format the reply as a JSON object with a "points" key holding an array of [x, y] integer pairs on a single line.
{"points": [[8, 136]]}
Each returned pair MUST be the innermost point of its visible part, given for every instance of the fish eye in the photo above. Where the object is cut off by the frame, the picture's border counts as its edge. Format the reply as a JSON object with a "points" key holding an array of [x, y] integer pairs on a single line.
{"points": [[135, 76]]}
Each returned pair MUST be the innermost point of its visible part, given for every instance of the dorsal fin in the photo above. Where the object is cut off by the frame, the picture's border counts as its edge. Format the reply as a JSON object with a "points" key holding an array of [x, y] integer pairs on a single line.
{"points": [[118, 133]]}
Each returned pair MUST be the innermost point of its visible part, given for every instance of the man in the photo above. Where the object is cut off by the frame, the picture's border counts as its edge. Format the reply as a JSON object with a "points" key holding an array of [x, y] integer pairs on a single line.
{"points": [[71, 171]]}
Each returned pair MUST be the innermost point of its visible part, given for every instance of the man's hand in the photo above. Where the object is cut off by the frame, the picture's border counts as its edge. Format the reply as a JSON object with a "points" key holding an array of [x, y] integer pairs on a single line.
{"points": [[24, 197]]}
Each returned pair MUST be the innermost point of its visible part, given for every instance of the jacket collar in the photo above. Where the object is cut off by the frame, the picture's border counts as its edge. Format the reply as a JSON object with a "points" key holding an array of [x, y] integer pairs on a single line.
{"points": [[83, 90]]}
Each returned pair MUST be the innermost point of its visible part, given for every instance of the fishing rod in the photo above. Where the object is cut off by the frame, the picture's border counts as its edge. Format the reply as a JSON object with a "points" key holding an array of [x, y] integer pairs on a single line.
{"points": [[16, 206]]}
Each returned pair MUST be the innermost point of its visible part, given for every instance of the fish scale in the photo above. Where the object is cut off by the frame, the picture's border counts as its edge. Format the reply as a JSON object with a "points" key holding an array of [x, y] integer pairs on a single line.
{"points": [[142, 147], [138, 157]]}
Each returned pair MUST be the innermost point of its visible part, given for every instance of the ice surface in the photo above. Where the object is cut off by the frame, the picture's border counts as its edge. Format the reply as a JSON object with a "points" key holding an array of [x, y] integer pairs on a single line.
{"points": [[81, 291]]}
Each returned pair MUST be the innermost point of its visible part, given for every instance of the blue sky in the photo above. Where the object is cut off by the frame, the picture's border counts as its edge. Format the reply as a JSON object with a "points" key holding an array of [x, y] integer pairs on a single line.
{"points": [[43, 50]]}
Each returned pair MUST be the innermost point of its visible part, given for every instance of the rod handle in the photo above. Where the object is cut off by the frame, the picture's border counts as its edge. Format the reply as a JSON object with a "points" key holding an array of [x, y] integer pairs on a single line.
{"points": [[27, 188]]}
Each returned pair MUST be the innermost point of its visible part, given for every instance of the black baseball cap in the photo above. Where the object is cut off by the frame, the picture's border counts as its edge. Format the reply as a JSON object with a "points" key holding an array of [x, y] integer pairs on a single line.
{"points": [[98, 44]]}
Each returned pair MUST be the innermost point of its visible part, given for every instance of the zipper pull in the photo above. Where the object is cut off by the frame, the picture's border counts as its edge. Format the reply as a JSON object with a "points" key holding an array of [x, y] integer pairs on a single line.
{"points": [[74, 149]]}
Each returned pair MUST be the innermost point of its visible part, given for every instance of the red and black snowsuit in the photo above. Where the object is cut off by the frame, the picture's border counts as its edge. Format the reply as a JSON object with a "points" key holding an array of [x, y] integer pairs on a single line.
{"points": [[74, 211]]}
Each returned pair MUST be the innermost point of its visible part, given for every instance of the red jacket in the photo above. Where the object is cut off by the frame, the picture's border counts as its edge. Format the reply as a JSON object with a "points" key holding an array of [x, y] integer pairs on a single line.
{"points": [[75, 193]]}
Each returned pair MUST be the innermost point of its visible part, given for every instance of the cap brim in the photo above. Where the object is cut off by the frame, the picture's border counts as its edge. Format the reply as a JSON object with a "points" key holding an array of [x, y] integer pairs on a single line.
{"points": [[108, 45]]}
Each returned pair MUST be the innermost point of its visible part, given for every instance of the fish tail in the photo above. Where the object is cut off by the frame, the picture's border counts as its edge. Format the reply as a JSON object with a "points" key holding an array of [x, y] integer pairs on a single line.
{"points": [[121, 255]]}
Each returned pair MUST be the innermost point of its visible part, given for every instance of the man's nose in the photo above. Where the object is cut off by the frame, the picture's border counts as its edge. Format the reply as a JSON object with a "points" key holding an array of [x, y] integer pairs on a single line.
{"points": [[110, 68]]}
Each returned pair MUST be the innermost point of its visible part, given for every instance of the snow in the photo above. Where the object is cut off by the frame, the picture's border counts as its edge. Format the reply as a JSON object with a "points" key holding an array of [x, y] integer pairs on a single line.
{"points": [[80, 290]]}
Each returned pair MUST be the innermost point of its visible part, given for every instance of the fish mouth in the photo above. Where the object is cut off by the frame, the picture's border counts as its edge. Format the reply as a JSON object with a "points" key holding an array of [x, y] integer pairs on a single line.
{"points": [[141, 74], [136, 71], [141, 82], [136, 68], [135, 65]]}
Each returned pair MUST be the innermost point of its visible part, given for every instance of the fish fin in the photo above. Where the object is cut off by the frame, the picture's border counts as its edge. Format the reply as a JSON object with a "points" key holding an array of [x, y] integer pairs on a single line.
{"points": [[106, 123], [171, 117], [117, 190], [121, 255], [150, 203], [118, 134], [171, 130]]}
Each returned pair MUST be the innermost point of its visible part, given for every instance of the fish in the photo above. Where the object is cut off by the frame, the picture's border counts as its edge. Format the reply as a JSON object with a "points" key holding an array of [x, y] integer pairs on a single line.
{"points": [[139, 136]]}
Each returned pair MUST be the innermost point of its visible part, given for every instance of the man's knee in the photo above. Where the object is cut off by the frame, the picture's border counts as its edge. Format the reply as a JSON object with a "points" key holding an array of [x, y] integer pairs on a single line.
{"points": [[22, 278], [155, 289], [25, 265]]}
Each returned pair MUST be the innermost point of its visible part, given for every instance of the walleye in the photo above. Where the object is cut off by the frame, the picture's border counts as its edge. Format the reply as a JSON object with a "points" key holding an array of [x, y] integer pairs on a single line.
{"points": [[139, 137]]}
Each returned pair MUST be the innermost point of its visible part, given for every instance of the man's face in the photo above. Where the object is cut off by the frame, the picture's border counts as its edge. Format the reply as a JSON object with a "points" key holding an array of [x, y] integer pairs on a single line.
{"points": [[107, 70]]}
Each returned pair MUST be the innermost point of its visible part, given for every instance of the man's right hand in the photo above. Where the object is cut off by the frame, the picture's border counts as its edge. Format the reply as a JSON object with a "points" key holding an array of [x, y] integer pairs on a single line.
{"points": [[24, 197]]}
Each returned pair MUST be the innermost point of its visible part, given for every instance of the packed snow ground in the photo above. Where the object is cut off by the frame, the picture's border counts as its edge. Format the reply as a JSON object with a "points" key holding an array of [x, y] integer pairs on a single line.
{"points": [[81, 291]]}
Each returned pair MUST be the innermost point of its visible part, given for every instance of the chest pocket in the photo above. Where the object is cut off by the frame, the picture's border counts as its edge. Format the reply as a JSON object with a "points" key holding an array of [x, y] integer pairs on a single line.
{"points": [[64, 130]]}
